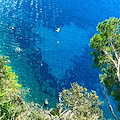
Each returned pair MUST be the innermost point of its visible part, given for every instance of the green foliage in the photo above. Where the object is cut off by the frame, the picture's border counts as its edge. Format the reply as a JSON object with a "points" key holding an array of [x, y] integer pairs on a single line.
{"points": [[8, 91], [106, 54], [12, 106], [77, 103]]}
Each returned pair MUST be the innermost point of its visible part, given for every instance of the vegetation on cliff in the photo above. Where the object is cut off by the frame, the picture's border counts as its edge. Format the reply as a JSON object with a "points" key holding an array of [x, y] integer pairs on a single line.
{"points": [[12, 106], [75, 103]]}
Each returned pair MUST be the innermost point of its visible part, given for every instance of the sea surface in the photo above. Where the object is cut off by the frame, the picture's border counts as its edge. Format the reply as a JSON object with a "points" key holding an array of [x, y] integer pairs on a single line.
{"points": [[48, 44]]}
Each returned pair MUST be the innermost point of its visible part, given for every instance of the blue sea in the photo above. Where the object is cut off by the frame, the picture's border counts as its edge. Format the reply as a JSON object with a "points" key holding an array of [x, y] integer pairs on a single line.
{"points": [[48, 44]]}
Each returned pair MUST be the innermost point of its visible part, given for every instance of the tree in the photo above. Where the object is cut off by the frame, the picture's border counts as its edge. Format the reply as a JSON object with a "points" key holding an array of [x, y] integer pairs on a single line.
{"points": [[77, 104], [106, 55]]}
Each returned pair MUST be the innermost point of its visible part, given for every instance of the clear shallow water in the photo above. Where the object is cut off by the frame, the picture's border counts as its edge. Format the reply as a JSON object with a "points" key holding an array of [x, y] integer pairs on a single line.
{"points": [[50, 60]]}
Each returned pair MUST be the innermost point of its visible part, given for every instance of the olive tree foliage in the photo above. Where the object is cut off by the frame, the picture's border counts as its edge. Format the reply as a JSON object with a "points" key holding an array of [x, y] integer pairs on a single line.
{"points": [[106, 55], [77, 104]]}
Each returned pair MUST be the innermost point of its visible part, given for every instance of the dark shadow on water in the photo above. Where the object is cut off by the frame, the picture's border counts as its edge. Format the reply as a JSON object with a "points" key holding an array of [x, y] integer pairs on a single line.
{"points": [[81, 71]]}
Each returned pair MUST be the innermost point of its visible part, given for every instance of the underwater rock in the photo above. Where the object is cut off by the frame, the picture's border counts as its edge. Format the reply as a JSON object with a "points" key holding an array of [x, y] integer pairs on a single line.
{"points": [[58, 30], [46, 102], [18, 50]]}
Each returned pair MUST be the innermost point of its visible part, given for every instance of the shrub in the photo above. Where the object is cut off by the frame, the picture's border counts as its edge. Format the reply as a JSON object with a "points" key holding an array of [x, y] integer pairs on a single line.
{"points": [[77, 103]]}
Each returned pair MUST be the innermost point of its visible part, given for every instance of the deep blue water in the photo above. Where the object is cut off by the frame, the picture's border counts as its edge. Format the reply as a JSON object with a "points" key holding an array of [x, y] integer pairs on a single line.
{"points": [[49, 61]]}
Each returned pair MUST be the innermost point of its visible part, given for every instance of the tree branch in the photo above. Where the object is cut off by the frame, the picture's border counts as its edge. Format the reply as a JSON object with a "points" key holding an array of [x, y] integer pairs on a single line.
{"points": [[118, 70], [116, 55], [117, 66], [110, 107], [110, 58], [118, 58], [2, 116], [46, 112], [62, 113]]}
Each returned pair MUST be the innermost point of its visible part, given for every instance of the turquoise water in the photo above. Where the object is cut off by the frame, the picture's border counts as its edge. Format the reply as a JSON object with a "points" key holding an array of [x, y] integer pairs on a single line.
{"points": [[46, 60]]}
